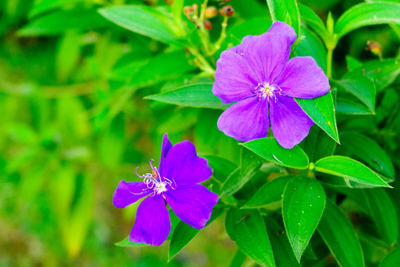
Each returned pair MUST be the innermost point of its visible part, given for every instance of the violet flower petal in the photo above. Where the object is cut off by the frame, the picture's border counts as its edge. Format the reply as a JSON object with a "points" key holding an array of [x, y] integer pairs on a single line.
{"points": [[281, 28], [193, 204], [289, 124], [233, 78], [166, 146], [303, 78], [152, 225], [245, 120], [184, 166], [268, 53], [128, 193]]}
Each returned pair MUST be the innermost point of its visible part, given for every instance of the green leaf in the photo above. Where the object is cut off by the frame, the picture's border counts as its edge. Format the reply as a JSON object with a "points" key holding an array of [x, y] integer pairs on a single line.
{"points": [[352, 63], [143, 20], [23, 133], [76, 227], [338, 234], [317, 144], [382, 210], [302, 207], [248, 230], [126, 243], [268, 193], [374, 249], [391, 259], [157, 69], [220, 167], [310, 45], [269, 149], [387, 104], [251, 26], [283, 252], [339, 182], [250, 9], [350, 107], [349, 169], [46, 5], [283, 10], [176, 8], [59, 22], [238, 259], [369, 151], [194, 95], [294, 15], [124, 72], [249, 163], [361, 87], [111, 144], [72, 198], [381, 72], [313, 21], [322, 112], [277, 9], [366, 14], [184, 233], [68, 55]]}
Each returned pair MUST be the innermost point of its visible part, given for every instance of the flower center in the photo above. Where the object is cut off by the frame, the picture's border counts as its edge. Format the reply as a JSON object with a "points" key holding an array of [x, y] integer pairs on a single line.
{"points": [[160, 187], [156, 182], [267, 91]]}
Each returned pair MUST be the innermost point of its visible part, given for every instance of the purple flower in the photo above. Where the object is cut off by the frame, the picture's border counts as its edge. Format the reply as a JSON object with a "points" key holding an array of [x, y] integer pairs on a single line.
{"points": [[258, 75], [175, 183]]}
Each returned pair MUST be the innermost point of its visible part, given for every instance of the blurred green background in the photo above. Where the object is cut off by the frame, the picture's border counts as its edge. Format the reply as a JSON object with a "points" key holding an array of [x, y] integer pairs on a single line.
{"points": [[73, 122]]}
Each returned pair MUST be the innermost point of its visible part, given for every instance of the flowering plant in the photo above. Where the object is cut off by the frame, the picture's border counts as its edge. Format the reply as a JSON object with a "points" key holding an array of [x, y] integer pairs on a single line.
{"points": [[259, 76], [174, 183], [274, 78], [283, 122]]}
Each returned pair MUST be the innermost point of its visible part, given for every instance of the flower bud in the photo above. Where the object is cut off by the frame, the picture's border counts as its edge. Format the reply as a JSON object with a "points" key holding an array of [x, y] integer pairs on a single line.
{"points": [[207, 24], [188, 10], [374, 47], [211, 12], [227, 11]]}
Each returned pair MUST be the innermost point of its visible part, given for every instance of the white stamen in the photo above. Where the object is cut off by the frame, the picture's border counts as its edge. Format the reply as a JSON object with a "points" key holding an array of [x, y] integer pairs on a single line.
{"points": [[160, 187], [267, 91]]}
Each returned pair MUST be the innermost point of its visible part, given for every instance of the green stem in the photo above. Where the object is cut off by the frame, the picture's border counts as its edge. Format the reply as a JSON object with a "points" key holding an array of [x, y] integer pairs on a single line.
{"points": [[203, 32], [222, 36], [203, 63], [329, 62], [203, 10], [310, 171]]}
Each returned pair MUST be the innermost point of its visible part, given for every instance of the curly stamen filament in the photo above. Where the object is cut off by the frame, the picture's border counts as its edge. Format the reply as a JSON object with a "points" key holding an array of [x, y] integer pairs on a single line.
{"points": [[172, 183], [154, 181], [151, 163], [137, 194], [140, 176]]}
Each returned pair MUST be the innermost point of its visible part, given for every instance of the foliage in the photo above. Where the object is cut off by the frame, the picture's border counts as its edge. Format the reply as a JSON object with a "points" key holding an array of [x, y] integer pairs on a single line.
{"points": [[88, 88]]}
